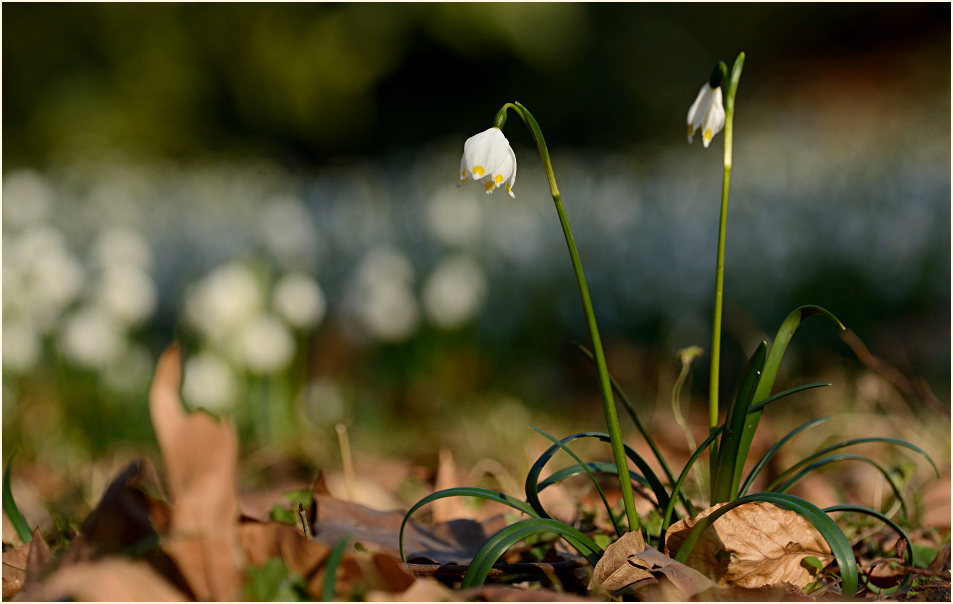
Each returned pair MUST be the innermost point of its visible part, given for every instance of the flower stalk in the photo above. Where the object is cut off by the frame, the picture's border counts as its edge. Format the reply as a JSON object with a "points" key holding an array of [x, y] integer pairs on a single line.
{"points": [[732, 87], [605, 388]]}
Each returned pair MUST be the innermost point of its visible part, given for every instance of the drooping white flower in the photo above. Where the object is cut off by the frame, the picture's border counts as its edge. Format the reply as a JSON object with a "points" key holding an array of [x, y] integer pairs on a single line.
{"points": [[707, 114], [489, 160]]}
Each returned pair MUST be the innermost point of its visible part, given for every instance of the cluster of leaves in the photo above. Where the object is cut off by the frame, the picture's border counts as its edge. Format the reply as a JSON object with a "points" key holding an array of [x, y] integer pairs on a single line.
{"points": [[728, 492]]}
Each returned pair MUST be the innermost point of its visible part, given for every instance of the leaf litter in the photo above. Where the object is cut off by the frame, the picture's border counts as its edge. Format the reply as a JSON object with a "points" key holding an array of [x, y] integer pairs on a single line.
{"points": [[188, 539]]}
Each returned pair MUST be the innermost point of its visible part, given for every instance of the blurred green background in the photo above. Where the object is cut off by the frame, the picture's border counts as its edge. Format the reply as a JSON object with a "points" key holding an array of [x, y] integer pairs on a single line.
{"points": [[274, 185]]}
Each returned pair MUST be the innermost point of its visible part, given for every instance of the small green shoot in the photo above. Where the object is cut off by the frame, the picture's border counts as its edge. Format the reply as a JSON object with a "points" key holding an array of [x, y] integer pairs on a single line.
{"points": [[10, 507]]}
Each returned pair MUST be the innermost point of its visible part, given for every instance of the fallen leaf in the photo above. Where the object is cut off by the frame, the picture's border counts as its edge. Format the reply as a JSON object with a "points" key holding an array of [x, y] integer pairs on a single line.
{"points": [[110, 579], [448, 542], [200, 455], [124, 518], [613, 571], [752, 545], [14, 569], [422, 590], [263, 540]]}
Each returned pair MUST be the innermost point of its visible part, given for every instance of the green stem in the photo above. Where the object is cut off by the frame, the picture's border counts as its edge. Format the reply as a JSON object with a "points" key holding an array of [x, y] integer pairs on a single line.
{"points": [[713, 407], [605, 388], [720, 262]]}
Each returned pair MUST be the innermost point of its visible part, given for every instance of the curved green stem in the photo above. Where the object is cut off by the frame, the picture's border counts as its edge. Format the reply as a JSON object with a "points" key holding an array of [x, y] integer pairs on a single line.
{"points": [[605, 388]]}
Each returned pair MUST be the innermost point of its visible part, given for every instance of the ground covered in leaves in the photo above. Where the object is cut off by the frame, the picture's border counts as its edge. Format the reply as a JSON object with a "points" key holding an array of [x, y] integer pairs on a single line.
{"points": [[191, 534]]}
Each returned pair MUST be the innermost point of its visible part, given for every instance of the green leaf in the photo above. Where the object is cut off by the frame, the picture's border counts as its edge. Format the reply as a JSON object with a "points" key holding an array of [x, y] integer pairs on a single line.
{"points": [[496, 496], [331, 568], [911, 553], [273, 582], [497, 545], [532, 478], [838, 542], [774, 449], [778, 347], [600, 467], [10, 507], [844, 457], [669, 509], [859, 441], [727, 475], [595, 483]]}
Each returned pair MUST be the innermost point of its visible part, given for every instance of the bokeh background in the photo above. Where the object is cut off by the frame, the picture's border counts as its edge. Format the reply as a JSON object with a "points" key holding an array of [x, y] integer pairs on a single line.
{"points": [[274, 186]]}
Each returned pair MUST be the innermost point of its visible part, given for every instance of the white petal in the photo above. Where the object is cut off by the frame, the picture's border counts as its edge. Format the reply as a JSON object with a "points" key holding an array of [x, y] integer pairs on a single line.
{"points": [[698, 109], [714, 119]]}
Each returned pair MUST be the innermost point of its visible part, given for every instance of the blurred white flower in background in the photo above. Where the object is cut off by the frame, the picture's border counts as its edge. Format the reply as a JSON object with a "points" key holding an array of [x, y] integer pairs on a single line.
{"points": [[286, 228], [299, 300], [455, 219], [223, 300], [454, 292], [41, 278], [264, 344], [27, 198], [381, 295], [209, 382], [91, 338], [127, 293], [122, 246]]}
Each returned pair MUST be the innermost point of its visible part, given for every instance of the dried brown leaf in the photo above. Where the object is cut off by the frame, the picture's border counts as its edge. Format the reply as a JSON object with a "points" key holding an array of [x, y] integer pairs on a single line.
{"points": [[421, 590], [201, 457], [14, 569], [263, 540], [448, 542], [613, 571], [110, 579], [123, 518], [752, 545]]}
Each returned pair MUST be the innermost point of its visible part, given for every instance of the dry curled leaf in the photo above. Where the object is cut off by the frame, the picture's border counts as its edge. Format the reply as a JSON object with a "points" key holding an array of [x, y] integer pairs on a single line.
{"points": [[752, 545], [200, 455], [613, 571]]}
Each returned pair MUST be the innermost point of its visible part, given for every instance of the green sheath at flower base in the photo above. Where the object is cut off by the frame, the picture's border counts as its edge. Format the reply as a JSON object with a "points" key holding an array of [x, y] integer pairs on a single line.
{"points": [[612, 418]]}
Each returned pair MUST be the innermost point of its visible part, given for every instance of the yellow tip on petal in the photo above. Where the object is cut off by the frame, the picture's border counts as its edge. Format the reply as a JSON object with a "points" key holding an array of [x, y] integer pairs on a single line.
{"points": [[498, 178], [478, 171], [707, 134], [489, 186]]}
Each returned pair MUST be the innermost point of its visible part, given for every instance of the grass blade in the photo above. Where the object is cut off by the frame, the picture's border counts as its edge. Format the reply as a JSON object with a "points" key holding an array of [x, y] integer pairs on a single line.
{"points": [[532, 477], [844, 457], [487, 494], [774, 449], [838, 542], [600, 467], [10, 507], [497, 545], [859, 441], [595, 483], [727, 474], [331, 567], [908, 578], [778, 347]]}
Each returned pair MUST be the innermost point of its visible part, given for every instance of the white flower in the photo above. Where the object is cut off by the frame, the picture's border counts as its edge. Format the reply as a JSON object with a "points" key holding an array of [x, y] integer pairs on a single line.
{"points": [[707, 114], [299, 300], [489, 160], [454, 292], [209, 382]]}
